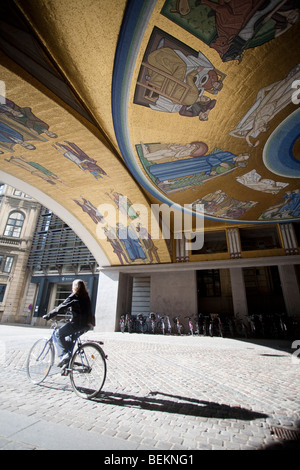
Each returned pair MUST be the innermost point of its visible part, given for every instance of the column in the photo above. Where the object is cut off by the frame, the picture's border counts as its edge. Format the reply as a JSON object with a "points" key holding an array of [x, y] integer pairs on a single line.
{"points": [[239, 297], [181, 251], [289, 239], [234, 243], [107, 301], [290, 289]]}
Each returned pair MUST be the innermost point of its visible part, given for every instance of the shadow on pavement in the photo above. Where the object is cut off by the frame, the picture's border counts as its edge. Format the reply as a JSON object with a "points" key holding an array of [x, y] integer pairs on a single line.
{"points": [[179, 405]]}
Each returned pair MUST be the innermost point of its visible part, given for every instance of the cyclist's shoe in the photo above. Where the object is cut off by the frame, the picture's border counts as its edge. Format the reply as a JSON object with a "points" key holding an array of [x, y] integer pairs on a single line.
{"points": [[64, 370], [64, 360]]}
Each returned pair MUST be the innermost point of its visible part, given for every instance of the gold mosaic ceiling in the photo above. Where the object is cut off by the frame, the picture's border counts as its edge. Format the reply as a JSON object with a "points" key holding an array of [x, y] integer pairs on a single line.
{"points": [[179, 102]]}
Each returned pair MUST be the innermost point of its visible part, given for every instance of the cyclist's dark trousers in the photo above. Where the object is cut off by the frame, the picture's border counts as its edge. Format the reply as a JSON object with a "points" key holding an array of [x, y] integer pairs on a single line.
{"points": [[64, 337]]}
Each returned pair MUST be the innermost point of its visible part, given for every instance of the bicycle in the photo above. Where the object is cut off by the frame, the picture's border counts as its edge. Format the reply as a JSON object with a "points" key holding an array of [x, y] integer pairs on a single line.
{"points": [[178, 325], [86, 367]]}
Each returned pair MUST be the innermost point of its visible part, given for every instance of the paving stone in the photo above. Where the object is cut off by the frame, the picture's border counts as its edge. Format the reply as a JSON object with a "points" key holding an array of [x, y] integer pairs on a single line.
{"points": [[176, 393]]}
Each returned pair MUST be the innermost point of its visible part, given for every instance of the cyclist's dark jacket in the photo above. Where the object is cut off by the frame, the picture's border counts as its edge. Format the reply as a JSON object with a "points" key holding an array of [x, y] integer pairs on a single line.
{"points": [[81, 310]]}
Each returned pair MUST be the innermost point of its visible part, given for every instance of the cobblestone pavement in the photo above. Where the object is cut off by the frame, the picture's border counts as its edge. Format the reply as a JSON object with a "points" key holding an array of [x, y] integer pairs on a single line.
{"points": [[162, 392]]}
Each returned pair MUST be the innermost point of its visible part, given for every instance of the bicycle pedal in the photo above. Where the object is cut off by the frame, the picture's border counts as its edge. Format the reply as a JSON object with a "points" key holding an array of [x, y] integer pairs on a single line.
{"points": [[65, 371]]}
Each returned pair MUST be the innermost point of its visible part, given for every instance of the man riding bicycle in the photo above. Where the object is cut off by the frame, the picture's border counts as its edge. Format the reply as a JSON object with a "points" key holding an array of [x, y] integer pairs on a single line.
{"points": [[83, 319]]}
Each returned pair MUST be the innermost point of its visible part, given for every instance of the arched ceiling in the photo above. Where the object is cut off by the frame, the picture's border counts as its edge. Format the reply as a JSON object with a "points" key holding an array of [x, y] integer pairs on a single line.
{"points": [[174, 101]]}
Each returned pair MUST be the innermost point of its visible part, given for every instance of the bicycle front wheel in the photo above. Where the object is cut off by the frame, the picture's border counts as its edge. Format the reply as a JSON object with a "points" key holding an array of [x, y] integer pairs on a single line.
{"points": [[40, 360], [88, 370]]}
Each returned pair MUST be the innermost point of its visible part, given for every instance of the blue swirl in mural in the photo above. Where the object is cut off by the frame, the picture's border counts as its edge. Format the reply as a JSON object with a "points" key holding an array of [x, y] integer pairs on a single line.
{"points": [[278, 153]]}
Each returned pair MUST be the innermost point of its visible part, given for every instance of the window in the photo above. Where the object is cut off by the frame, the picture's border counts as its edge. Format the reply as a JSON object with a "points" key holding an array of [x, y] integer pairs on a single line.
{"points": [[63, 291], [8, 264], [2, 291], [259, 238], [208, 282], [17, 192], [214, 242], [1, 188], [14, 225], [296, 226]]}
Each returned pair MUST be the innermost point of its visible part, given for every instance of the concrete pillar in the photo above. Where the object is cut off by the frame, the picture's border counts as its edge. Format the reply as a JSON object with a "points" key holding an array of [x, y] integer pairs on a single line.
{"points": [[234, 243], [290, 289], [239, 297], [107, 301]]}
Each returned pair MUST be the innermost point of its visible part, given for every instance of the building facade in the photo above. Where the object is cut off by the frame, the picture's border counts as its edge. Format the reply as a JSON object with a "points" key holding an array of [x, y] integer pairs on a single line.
{"points": [[57, 257], [40, 256], [239, 272], [18, 218]]}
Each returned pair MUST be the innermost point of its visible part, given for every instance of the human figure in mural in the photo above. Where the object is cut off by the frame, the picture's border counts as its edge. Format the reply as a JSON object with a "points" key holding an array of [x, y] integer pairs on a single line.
{"points": [[174, 151], [131, 242], [118, 249], [237, 24], [9, 137], [124, 204], [201, 108], [146, 240], [197, 72], [20, 124], [211, 165], [288, 208], [25, 116], [254, 181], [210, 201], [89, 209], [35, 169], [76, 155], [219, 204], [270, 100]]}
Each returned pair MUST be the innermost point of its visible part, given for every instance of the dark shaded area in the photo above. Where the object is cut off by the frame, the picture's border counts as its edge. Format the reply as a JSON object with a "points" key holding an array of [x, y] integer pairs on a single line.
{"points": [[179, 405]]}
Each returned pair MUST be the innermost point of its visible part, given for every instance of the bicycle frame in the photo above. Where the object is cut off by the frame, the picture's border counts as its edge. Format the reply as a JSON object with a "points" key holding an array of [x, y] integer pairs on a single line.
{"points": [[53, 341]]}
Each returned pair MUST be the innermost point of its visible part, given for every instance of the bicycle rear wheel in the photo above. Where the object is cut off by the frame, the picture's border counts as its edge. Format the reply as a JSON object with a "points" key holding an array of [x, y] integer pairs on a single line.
{"points": [[40, 360], [88, 370]]}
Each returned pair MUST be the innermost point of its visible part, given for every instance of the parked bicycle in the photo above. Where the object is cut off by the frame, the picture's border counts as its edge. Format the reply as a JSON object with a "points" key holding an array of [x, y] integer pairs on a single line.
{"points": [[142, 326], [178, 325], [122, 323], [152, 322], [128, 322], [197, 328], [191, 326], [169, 327], [86, 367]]}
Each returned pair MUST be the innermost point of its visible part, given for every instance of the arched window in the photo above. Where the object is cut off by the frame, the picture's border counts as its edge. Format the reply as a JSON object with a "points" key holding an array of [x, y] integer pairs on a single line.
{"points": [[14, 225]]}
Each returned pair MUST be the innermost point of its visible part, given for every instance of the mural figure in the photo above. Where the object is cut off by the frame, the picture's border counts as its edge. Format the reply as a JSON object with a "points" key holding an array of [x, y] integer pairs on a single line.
{"points": [[19, 125], [270, 100], [219, 204], [176, 79], [9, 137], [73, 153], [146, 240], [89, 209], [232, 26], [289, 208], [210, 165], [128, 243], [131, 242], [25, 117], [173, 151], [177, 167], [35, 169], [123, 204], [254, 181], [117, 247]]}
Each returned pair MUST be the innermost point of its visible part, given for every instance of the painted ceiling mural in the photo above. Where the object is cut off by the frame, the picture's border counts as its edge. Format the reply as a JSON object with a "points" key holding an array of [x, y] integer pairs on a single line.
{"points": [[227, 120], [181, 102]]}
